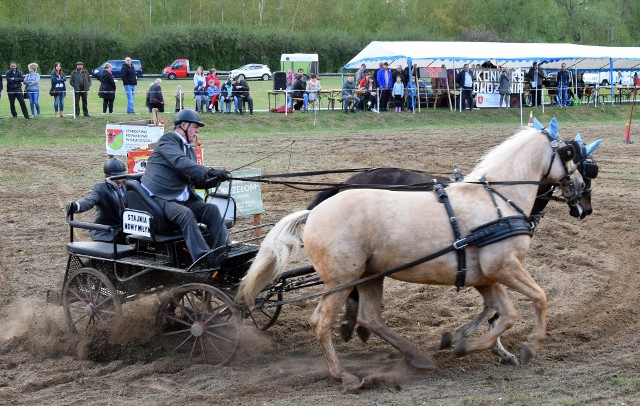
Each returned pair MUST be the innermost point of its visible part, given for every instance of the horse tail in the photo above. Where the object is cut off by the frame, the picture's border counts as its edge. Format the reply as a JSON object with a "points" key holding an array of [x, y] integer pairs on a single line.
{"points": [[284, 239], [321, 197]]}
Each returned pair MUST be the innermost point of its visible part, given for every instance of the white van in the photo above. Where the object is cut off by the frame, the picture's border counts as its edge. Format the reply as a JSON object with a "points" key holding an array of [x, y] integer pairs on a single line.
{"points": [[602, 78]]}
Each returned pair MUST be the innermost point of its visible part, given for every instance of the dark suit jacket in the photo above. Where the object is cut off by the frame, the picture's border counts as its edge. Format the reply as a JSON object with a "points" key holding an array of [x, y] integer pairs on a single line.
{"points": [[170, 169], [104, 197]]}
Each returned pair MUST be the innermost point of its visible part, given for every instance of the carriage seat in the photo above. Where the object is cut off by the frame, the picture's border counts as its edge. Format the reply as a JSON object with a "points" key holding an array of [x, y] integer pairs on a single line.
{"points": [[99, 249], [138, 199]]}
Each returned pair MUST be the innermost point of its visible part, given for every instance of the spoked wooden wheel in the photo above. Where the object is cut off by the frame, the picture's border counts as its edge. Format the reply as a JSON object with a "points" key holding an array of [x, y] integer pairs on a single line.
{"points": [[89, 300], [264, 315], [201, 321]]}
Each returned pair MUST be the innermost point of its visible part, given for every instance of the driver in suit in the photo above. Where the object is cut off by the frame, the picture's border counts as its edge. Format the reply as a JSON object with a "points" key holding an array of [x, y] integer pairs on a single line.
{"points": [[171, 177]]}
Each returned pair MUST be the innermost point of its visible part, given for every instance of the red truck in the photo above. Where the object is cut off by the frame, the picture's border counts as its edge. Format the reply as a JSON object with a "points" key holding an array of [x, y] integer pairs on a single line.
{"points": [[178, 69]]}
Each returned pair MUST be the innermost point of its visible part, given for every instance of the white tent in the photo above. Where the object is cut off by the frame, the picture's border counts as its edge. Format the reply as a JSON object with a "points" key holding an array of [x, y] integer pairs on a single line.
{"points": [[454, 54]]}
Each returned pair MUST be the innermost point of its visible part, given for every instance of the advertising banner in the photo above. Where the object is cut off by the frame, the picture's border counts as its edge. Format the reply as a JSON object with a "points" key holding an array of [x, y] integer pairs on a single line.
{"points": [[121, 138], [248, 195]]}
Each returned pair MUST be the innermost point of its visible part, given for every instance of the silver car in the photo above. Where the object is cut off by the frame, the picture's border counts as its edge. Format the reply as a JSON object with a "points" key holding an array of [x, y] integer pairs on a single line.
{"points": [[252, 71]]}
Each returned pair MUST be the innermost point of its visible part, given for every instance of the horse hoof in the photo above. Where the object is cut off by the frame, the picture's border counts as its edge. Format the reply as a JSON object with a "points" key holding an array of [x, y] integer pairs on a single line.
{"points": [[446, 340], [525, 353], [351, 383], [422, 362], [363, 333], [460, 350], [511, 361], [346, 331]]}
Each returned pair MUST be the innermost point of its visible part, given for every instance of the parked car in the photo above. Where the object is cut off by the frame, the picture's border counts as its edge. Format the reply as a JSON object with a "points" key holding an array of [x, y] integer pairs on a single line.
{"points": [[178, 69], [597, 78], [117, 68], [252, 71]]}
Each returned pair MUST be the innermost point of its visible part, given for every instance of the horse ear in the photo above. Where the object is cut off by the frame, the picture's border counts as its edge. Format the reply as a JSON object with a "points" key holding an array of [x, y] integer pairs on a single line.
{"points": [[553, 128], [593, 146], [579, 138], [537, 124]]}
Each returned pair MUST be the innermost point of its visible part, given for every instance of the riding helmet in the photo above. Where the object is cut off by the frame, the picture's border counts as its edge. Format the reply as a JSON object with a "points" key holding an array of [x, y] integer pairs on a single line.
{"points": [[114, 167], [188, 116]]}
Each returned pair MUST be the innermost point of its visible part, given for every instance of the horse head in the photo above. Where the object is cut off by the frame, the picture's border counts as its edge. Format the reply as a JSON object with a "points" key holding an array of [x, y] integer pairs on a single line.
{"points": [[576, 182]]}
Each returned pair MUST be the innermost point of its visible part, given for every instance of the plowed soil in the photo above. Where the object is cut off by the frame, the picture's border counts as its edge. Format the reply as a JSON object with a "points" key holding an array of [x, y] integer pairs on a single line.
{"points": [[589, 270]]}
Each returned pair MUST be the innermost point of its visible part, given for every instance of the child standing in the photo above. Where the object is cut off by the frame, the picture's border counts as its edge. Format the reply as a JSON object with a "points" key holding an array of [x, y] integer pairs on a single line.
{"points": [[398, 93], [179, 98]]}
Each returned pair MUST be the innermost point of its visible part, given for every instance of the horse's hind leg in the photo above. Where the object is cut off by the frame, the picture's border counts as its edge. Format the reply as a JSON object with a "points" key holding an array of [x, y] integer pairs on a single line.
{"points": [[370, 317], [322, 322], [506, 358]]}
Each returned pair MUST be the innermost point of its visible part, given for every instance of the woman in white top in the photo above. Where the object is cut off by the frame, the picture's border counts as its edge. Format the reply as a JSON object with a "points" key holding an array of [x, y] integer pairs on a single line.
{"points": [[313, 87]]}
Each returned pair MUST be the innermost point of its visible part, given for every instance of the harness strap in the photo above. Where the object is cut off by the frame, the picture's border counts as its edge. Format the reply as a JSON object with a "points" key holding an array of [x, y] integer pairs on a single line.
{"points": [[460, 251], [488, 188]]}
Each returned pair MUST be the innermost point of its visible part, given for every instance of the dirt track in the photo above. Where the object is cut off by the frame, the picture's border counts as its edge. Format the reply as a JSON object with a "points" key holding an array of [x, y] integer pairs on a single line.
{"points": [[589, 270]]}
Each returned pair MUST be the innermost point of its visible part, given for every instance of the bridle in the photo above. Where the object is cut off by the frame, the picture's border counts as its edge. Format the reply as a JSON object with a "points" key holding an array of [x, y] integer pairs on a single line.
{"points": [[569, 151]]}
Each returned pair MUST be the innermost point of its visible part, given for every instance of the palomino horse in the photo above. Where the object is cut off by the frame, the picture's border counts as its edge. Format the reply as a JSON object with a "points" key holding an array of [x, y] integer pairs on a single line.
{"points": [[372, 239]]}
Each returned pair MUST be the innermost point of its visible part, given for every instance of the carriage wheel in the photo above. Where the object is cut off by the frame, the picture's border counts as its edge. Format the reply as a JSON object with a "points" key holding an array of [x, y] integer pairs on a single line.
{"points": [[263, 315], [89, 300], [201, 321]]}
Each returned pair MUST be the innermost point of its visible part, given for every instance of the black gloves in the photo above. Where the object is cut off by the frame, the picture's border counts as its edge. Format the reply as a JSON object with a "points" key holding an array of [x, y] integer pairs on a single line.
{"points": [[219, 174], [72, 207], [215, 177]]}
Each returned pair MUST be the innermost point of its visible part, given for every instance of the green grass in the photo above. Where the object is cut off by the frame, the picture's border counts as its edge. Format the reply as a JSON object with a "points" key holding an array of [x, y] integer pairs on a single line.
{"points": [[51, 131]]}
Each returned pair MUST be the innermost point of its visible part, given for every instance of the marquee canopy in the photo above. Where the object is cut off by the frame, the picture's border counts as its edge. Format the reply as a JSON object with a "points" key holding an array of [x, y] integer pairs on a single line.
{"points": [[513, 55]]}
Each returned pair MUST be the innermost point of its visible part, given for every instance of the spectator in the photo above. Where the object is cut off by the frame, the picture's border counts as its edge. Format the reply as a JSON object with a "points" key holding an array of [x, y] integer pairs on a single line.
{"points": [[32, 82], [580, 86], [130, 81], [370, 94], [213, 92], [535, 77], [635, 80], [14, 90], [289, 85], [313, 91], [504, 89], [398, 93], [465, 81], [361, 73], [241, 92], [155, 97], [179, 98], [412, 93], [200, 94], [199, 76], [226, 96], [564, 79], [107, 91], [349, 96], [213, 75], [301, 72], [109, 199], [58, 89], [384, 79], [299, 93], [398, 72], [81, 83]]}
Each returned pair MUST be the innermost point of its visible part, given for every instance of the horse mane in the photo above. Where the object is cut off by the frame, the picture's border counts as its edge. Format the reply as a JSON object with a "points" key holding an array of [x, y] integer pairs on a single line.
{"points": [[494, 158]]}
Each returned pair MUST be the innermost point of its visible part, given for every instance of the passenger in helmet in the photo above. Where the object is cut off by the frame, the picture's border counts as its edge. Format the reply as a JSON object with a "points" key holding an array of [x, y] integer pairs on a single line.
{"points": [[109, 199], [171, 176]]}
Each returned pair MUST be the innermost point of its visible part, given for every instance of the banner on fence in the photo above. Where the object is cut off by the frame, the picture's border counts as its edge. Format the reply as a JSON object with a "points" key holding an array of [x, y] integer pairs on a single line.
{"points": [[247, 194], [121, 138]]}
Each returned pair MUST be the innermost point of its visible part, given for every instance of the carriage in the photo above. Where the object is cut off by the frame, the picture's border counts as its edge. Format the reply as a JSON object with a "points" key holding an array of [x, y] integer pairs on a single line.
{"points": [[197, 315]]}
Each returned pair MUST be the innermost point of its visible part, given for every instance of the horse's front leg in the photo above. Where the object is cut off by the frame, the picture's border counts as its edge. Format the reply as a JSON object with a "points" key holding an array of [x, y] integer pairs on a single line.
{"points": [[322, 322], [522, 282]]}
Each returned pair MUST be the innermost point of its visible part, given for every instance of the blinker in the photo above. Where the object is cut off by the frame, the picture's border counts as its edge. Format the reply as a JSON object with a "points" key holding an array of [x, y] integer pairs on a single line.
{"points": [[567, 153], [589, 170]]}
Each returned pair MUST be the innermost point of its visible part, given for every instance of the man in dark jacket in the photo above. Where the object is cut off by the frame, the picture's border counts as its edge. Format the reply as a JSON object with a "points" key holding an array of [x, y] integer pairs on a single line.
{"points": [[109, 199], [171, 176], [81, 83], [241, 93], [14, 90], [299, 92], [535, 76], [130, 81], [465, 81]]}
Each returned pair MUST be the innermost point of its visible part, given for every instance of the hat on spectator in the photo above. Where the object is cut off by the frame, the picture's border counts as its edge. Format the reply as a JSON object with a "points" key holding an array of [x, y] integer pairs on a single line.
{"points": [[79, 63]]}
